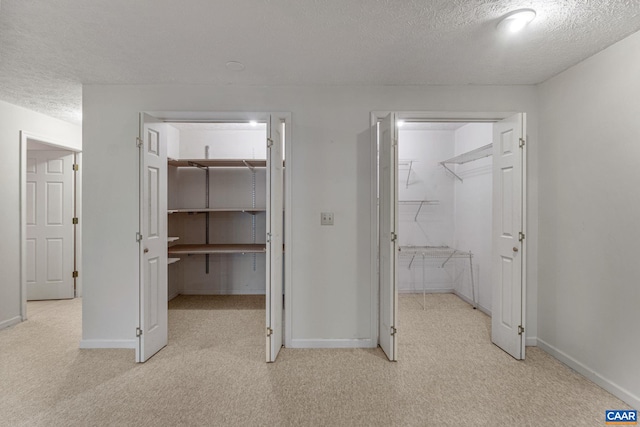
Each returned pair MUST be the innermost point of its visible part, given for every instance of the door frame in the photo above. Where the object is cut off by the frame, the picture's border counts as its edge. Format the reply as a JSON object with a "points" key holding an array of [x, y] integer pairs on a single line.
{"points": [[435, 116], [213, 116], [25, 137]]}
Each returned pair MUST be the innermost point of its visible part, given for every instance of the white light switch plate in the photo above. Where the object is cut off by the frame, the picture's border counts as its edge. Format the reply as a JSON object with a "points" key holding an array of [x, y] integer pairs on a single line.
{"points": [[326, 218]]}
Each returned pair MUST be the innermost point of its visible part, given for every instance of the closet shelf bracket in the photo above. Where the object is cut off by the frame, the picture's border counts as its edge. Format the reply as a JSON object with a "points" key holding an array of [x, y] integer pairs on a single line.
{"points": [[451, 171], [249, 165], [407, 163]]}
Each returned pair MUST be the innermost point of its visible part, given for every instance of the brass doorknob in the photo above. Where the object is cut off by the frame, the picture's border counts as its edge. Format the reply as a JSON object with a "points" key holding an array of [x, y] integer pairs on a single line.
{"points": [[515, 249], [147, 250]]}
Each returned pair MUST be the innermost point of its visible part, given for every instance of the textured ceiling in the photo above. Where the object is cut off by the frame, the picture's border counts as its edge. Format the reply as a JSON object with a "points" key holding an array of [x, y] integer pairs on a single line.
{"points": [[48, 49]]}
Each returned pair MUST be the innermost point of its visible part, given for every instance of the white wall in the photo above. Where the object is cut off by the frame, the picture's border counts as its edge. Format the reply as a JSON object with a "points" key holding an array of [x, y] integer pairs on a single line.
{"points": [[589, 274], [224, 144], [333, 290], [473, 209], [14, 119]]}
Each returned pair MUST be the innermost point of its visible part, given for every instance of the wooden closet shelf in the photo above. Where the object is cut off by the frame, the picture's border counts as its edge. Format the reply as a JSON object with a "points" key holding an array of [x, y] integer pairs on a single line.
{"points": [[204, 210], [219, 163], [217, 249]]}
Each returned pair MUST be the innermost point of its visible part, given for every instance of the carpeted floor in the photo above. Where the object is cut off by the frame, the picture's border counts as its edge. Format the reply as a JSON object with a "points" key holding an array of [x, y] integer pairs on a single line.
{"points": [[213, 373]]}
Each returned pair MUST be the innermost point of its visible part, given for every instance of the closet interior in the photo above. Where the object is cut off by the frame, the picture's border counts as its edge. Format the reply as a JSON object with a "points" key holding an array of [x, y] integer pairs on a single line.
{"points": [[445, 210], [217, 209]]}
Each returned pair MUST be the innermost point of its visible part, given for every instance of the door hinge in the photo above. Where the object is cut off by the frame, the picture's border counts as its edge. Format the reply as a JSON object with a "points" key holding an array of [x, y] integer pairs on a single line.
{"points": [[393, 330], [522, 142], [521, 236], [139, 142], [138, 236], [268, 237], [394, 237], [76, 167], [269, 142], [74, 220], [138, 332], [74, 274], [520, 330], [269, 332]]}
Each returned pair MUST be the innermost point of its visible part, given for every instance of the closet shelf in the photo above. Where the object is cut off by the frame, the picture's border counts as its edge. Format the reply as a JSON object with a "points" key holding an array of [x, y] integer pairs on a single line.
{"points": [[217, 249], [419, 203], [469, 156], [172, 260], [251, 211], [172, 239], [219, 163]]}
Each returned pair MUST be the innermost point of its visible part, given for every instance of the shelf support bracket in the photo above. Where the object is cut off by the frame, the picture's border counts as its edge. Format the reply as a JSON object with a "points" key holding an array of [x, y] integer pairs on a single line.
{"points": [[249, 165], [415, 218], [411, 262], [409, 174], [197, 165], [450, 171]]}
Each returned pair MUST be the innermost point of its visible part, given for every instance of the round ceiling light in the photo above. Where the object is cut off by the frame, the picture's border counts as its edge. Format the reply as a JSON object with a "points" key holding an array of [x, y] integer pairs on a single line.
{"points": [[515, 21], [235, 66]]}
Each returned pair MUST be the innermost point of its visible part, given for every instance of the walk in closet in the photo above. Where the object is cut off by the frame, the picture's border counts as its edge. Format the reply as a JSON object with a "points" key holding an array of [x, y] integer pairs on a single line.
{"points": [[217, 209], [444, 210], [211, 220]]}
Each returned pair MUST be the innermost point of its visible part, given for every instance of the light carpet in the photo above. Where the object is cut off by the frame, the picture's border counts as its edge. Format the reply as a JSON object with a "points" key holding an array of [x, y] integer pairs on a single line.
{"points": [[213, 373]]}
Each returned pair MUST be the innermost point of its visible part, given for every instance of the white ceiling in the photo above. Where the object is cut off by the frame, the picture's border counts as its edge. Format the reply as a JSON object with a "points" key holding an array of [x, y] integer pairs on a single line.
{"points": [[48, 49]]}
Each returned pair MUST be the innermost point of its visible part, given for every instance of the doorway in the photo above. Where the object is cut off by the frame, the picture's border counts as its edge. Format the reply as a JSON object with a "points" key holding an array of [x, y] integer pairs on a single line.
{"points": [[211, 217], [450, 221], [50, 220]]}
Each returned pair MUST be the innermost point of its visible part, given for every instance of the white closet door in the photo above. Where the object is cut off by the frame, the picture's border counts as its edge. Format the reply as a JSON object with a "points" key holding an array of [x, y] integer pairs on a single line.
{"points": [[50, 245], [508, 250], [153, 327], [388, 244], [274, 255]]}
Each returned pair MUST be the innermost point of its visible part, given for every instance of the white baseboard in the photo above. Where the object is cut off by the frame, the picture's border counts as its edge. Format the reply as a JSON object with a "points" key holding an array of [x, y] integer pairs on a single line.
{"points": [[222, 292], [10, 322], [108, 343], [332, 343], [590, 374], [484, 309], [531, 341]]}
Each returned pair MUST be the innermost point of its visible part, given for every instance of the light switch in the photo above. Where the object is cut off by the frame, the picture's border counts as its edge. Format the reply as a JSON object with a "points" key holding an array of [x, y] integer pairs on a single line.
{"points": [[326, 218]]}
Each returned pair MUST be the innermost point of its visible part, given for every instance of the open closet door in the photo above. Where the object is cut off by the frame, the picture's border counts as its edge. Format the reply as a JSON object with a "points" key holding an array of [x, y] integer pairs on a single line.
{"points": [[388, 225], [152, 332], [507, 322], [274, 288]]}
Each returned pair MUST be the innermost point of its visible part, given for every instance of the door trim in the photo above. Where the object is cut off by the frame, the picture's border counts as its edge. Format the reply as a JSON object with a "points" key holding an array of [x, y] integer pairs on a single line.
{"points": [[25, 136], [435, 116]]}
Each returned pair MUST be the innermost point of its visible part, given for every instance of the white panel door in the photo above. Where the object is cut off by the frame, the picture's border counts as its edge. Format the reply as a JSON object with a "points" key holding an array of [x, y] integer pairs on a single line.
{"points": [[49, 245], [508, 250], [388, 243], [274, 276], [153, 329]]}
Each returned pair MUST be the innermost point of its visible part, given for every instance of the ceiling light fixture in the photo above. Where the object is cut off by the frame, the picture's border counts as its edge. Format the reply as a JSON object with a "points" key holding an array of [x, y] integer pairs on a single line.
{"points": [[253, 123], [235, 66], [515, 21], [400, 123]]}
